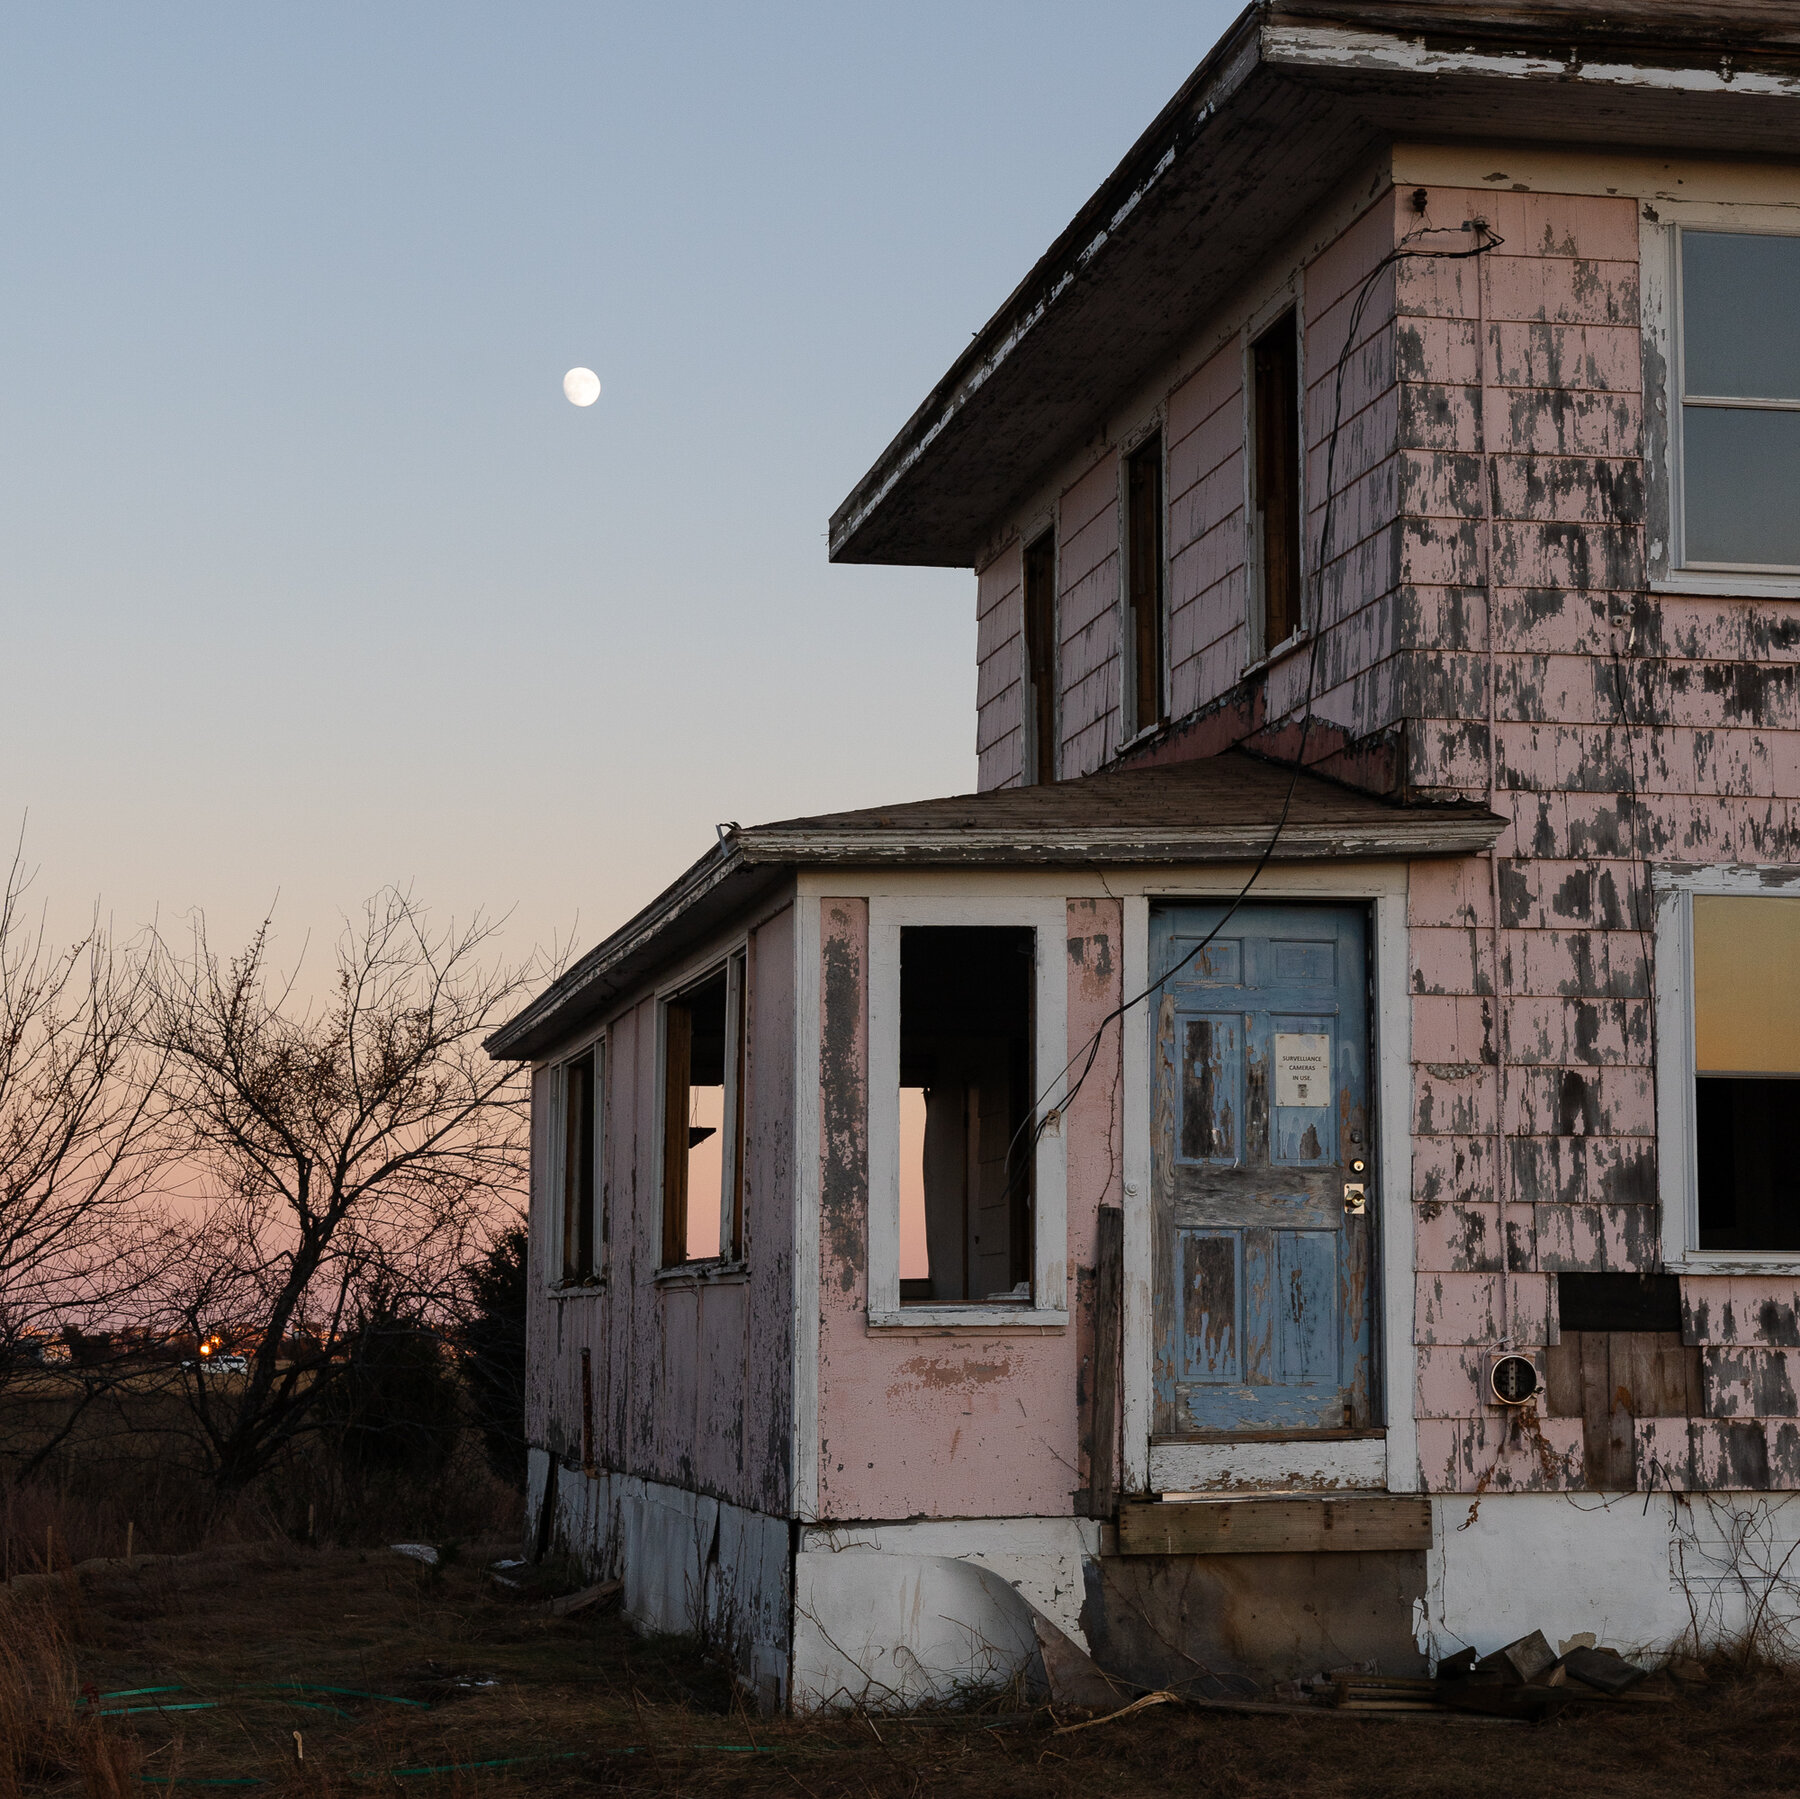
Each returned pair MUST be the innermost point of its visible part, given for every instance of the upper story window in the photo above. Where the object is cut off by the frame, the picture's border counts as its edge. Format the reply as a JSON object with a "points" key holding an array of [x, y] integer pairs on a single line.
{"points": [[1275, 483], [1728, 1030], [1145, 658], [1739, 422], [703, 1119], [578, 1098], [1040, 659]]}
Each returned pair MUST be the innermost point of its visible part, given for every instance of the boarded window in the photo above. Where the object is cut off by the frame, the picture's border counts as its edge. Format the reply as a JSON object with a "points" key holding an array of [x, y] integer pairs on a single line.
{"points": [[703, 1210], [1144, 582], [580, 1156], [1740, 400], [1747, 1066], [1040, 660], [965, 1096], [1275, 465]]}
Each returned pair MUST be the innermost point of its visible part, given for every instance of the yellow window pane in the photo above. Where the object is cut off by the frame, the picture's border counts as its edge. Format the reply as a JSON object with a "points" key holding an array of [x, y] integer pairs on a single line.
{"points": [[1746, 985]]}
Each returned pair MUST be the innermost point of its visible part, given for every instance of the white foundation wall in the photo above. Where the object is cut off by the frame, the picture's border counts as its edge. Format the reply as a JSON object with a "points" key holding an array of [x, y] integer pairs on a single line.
{"points": [[891, 1614], [691, 1565], [1646, 1573]]}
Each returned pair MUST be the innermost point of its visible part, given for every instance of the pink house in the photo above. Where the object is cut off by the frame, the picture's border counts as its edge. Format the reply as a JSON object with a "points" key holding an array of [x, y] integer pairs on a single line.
{"points": [[1290, 1171]]}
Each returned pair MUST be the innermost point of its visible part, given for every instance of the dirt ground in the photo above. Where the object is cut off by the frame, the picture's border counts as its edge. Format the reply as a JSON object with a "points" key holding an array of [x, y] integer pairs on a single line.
{"points": [[390, 1676]]}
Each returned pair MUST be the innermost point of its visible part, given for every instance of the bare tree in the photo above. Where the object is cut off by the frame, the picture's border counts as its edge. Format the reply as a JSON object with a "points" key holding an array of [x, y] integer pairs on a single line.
{"points": [[77, 1124], [343, 1155]]}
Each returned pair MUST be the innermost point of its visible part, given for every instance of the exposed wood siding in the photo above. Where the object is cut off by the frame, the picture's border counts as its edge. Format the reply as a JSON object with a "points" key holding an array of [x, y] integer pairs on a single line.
{"points": [[689, 1383]]}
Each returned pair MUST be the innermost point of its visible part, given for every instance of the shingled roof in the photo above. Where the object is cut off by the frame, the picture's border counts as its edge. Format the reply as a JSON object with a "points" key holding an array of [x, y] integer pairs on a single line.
{"points": [[1222, 809]]}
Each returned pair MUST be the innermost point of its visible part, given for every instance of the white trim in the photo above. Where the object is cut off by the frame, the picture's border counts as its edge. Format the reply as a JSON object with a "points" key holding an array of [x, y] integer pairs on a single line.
{"points": [[1298, 1465], [1391, 1089], [803, 1437], [1677, 1174], [1665, 393], [1049, 919], [1137, 1325], [1337, 48]]}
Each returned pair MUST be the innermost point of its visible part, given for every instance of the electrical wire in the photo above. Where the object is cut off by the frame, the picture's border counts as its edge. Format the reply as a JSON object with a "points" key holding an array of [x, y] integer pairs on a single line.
{"points": [[1089, 1053]]}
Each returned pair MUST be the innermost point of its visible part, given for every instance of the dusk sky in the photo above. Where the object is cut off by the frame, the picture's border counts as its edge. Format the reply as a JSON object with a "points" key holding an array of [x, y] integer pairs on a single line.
{"points": [[314, 580]]}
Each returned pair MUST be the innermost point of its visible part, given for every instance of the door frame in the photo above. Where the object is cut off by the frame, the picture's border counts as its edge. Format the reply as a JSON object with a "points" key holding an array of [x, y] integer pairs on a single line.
{"points": [[1389, 1463]]}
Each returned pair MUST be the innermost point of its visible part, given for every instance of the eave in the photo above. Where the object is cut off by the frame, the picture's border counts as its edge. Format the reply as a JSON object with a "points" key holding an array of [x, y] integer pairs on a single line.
{"points": [[1294, 99]]}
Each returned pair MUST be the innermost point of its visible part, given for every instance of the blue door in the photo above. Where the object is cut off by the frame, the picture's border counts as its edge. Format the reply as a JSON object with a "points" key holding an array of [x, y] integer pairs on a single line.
{"points": [[1263, 1196]]}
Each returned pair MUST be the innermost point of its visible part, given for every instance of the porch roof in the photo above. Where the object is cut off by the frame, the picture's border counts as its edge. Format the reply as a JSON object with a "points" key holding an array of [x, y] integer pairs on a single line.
{"points": [[1222, 809], [1297, 97]]}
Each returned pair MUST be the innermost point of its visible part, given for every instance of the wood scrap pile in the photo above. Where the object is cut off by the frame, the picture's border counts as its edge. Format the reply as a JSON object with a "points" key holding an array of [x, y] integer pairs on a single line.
{"points": [[1526, 1680]]}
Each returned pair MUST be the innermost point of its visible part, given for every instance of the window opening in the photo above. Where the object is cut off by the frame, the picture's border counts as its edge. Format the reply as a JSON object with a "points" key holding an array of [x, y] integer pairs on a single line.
{"points": [[1275, 363], [1144, 580], [1746, 1063], [580, 1099], [1740, 401], [699, 1152], [966, 1073], [1040, 658]]}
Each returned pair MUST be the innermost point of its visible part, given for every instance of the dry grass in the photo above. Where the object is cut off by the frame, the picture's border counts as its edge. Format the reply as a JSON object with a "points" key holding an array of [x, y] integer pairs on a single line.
{"points": [[592, 1708]]}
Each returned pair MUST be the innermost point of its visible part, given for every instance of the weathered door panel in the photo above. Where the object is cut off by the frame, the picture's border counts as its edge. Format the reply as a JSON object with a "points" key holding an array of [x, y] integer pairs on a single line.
{"points": [[1263, 1293]]}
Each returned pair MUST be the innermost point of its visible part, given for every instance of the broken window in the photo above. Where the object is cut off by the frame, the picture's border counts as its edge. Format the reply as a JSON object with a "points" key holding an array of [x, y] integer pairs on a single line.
{"points": [[966, 1146], [1740, 402], [1040, 660], [703, 1081], [579, 1158], [1746, 1065], [1275, 477], [1144, 583]]}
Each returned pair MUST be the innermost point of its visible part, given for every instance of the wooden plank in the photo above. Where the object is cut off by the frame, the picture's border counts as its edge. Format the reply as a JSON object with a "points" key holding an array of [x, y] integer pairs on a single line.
{"points": [[1306, 1526], [1109, 1287]]}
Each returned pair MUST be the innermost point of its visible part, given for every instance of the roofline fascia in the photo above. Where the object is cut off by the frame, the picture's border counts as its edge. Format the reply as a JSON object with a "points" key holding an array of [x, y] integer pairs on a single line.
{"points": [[695, 884], [1225, 69], [1410, 835]]}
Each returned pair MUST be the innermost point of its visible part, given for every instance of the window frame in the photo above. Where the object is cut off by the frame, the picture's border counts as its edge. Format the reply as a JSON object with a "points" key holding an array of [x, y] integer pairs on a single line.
{"points": [[1039, 706], [1131, 725], [1290, 298], [1048, 918], [1660, 226], [557, 1278], [732, 1256], [1678, 1187]]}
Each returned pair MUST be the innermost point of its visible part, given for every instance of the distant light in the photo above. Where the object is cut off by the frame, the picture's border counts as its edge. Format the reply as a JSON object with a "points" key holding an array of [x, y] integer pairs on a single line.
{"points": [[581, 386]]}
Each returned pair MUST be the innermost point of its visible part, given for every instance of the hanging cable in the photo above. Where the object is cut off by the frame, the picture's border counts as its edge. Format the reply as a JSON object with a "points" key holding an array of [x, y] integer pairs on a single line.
{"points": [[1089, 1053]]}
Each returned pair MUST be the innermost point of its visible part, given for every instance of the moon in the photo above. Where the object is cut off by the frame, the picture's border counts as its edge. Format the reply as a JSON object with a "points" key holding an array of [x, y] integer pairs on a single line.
{"points": [[581, 387]]}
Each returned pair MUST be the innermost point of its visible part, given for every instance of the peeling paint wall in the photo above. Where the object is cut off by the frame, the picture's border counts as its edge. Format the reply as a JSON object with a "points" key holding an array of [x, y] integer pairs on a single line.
{"points": [[920, 1422], [1491, 447], [689, 1379]]}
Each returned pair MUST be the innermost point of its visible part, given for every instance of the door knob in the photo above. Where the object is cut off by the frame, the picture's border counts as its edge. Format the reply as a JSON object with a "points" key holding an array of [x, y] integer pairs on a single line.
{"points": [[1356, 1199]]}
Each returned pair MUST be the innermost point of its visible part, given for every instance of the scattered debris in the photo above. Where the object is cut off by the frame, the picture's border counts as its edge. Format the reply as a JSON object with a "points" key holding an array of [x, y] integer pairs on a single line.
{"points": [[1124, 1711], [518, 1561], [1582, 1639], [420, 1552], [1687, 1671], [1605, 1669], [571, 1603], [1075, 1682], [1523, 1661]]}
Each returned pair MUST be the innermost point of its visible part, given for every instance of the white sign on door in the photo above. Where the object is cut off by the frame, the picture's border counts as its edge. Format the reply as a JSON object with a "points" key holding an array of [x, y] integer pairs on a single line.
{"points": [[1302, 1069]]}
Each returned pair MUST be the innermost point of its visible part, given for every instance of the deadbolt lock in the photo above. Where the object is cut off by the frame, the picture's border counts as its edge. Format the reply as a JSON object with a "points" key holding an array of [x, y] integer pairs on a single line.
{"points": [[1356, 1199]]}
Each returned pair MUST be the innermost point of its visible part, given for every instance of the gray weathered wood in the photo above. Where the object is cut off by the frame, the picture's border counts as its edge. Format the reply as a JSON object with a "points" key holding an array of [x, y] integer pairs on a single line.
{"points": [[1269, 1526], [1109, 1286]]}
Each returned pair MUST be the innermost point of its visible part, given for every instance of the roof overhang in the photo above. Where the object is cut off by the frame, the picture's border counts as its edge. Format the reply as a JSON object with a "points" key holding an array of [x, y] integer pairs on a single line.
{"points": [[1229, 809], [1297, 96]]}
